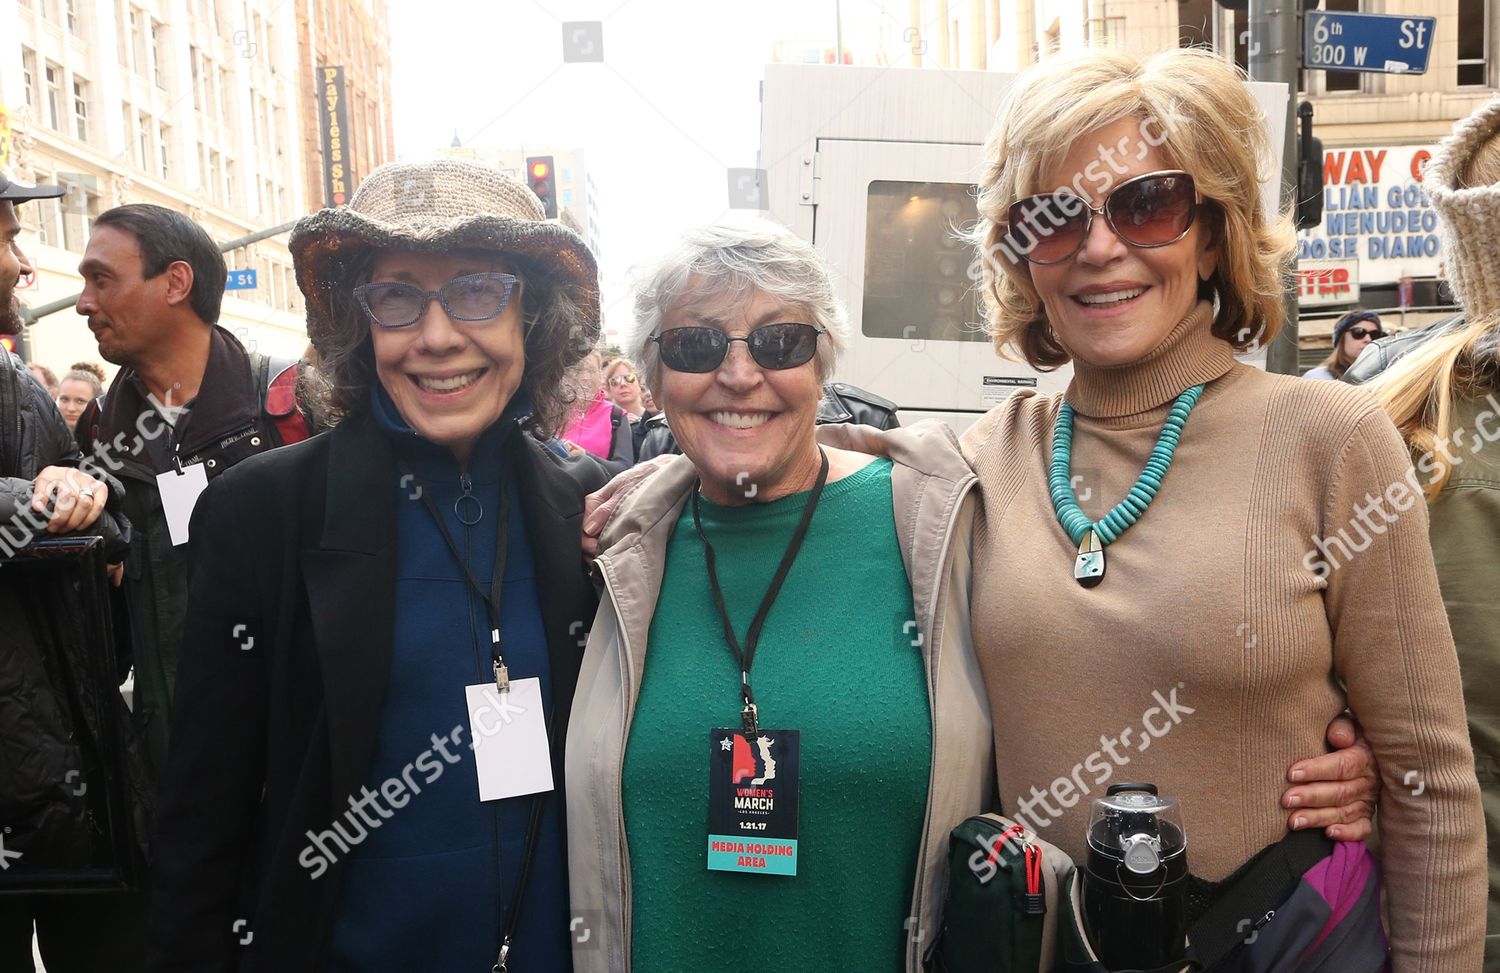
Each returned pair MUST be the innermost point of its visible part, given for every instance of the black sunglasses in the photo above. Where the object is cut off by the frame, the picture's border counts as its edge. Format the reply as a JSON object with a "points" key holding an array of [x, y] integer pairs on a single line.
{"points": [[774, 346], [1151, 210], [473, 297], [1360, 334]]}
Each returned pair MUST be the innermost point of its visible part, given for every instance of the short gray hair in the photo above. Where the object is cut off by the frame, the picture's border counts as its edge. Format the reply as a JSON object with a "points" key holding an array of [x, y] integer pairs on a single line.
{"points": [[731, 259]]}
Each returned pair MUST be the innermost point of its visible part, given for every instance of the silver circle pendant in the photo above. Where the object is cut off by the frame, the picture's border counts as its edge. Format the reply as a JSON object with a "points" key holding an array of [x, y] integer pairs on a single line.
{"points": [[468, 513]]}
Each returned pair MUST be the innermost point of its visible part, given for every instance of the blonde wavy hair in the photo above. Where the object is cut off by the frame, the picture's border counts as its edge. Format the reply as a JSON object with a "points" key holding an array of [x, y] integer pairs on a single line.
{"points": [[1193, 107], [1422, 391]]}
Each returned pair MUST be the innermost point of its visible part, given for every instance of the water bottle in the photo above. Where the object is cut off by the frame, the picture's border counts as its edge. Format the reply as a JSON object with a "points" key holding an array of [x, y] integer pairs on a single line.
{"points": [[1135, 880]]}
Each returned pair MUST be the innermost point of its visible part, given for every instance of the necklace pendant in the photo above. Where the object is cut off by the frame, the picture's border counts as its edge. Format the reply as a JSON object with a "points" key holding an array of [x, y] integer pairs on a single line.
{"points": [[1088, 568]]}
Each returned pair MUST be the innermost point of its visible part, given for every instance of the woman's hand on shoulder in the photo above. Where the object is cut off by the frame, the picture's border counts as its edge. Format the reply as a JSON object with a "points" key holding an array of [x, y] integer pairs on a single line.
{"points": [[600, 506], [1336, 791]]}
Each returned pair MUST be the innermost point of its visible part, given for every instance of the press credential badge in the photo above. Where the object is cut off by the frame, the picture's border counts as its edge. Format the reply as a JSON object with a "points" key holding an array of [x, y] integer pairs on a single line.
{"points": [[179, 494], [752, 801], [510, 739]]}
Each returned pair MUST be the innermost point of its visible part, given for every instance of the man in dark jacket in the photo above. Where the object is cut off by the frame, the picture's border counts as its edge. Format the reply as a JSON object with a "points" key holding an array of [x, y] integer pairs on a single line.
{"points": [[189, 403], [44, 493]]}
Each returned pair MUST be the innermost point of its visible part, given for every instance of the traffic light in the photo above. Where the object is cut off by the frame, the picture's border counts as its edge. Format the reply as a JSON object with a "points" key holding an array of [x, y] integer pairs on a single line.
{"points": [[539, 176], [1309, 172], [9, 344]]}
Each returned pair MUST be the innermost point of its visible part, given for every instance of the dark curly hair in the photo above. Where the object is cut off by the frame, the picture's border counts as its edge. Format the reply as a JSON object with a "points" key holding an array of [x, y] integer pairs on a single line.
{"points": [[557, 328]]}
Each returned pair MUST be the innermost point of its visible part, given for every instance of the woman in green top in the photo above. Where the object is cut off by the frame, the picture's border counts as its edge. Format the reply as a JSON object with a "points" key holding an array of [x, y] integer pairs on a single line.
{"points": [[775, 787]]}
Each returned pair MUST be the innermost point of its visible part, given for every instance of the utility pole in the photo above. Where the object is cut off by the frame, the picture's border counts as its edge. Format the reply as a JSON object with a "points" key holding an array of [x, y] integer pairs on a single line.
{"points": [[1274, 57]]}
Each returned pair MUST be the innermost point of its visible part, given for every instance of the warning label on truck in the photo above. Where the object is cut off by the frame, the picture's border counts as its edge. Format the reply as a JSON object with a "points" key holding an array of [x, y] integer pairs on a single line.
{"points": [[998, 388]]}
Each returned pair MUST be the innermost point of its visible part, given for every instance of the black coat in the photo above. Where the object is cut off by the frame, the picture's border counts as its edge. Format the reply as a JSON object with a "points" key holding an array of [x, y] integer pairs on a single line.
{"points": [[53, 712], [296, 549]]}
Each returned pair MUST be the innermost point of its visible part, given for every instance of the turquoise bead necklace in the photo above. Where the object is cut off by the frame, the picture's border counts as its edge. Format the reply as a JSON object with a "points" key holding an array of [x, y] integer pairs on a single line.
{"points": [[1092, 537]]}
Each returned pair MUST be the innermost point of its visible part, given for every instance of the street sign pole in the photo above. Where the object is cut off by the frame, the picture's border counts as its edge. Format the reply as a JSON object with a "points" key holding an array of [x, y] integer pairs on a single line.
{"points": [[1274, 58]]}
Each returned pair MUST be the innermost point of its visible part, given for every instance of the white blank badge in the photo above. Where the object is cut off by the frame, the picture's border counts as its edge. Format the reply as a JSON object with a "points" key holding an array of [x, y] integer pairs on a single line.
{"points": [[509, 736], [179, 494]]}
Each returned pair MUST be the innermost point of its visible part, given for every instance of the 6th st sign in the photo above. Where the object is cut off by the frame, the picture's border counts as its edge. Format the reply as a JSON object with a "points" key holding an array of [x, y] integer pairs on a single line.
{"points": [[1371, 43]]}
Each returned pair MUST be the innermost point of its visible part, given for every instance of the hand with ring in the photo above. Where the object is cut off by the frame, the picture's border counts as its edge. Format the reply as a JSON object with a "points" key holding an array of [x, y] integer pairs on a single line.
{"points": [[71, 499]]}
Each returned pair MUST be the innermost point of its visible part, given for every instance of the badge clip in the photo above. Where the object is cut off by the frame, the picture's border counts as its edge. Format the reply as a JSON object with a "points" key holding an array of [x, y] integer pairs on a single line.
{"points": [[502, 676], [751, 718]]}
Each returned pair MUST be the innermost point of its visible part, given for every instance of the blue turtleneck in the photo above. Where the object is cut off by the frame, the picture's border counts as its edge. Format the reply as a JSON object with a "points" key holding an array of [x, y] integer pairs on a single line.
{"points": [[424, 889]]}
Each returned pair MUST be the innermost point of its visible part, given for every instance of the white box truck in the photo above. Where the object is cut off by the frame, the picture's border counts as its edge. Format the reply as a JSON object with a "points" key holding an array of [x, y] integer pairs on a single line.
{"points": [[877, 166]]}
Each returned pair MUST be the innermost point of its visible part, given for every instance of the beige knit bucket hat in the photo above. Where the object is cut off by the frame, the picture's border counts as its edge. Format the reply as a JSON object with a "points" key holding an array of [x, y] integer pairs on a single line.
{"points": [[1470, 215], [436, 206]]}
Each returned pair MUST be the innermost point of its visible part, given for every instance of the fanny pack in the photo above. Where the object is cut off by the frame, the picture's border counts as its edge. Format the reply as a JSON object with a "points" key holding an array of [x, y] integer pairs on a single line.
{"points": [[1003, 907], [1305, 904]]}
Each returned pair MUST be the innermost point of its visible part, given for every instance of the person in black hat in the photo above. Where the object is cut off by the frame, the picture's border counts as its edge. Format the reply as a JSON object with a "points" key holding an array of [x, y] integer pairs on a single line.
{"points": [[1350, 335], [42, 491]]}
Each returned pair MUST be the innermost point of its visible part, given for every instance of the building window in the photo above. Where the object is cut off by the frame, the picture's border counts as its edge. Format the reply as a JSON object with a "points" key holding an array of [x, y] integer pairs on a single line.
{"points": [[138, 41], [1195, 23], [28, 76], [163, 150], [50, 216], [1474, 42], [122, 36], [228, 183], [143, 140], [193, 66], [79, 214], [81, 108], [156, 72], [54, 97], [224, 97], [70, 9]]}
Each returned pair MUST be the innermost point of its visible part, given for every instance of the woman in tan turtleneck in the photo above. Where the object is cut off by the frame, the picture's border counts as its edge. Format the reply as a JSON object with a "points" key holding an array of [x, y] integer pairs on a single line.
{"points": [[1202, 637]]}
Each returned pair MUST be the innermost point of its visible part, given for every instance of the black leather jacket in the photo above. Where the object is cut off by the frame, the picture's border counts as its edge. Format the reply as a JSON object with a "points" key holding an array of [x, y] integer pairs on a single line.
{"points": [[841, 403], [1382, 354], [33, 436]]}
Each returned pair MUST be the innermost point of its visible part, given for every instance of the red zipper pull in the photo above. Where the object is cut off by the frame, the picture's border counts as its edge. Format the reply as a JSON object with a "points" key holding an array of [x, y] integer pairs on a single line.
{"points": [[1036, 904]]}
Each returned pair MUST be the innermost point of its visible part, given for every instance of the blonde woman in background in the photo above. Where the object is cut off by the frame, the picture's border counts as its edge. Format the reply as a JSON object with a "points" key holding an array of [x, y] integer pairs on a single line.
{"points": [[1445, 398]]}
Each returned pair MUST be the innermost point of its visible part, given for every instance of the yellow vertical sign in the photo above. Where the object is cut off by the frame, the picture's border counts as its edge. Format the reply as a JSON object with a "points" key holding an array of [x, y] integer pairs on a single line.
{"points": [[5, 136], [335, 118]]}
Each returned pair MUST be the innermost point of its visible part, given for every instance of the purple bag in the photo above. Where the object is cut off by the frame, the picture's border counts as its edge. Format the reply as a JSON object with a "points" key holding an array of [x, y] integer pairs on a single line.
{"points": [[1330, 924]]}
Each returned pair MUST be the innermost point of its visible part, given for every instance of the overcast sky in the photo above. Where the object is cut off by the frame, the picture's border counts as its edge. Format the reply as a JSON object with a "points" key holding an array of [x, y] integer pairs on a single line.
{"points": [[674, 104]]}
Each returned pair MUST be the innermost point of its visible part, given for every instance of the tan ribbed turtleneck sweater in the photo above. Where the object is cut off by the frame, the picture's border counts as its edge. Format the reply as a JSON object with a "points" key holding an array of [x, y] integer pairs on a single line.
{"points": [[1213, 655]]}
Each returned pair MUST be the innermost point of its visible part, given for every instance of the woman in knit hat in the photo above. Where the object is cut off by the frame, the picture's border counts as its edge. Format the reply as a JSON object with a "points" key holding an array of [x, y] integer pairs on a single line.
{"points": [[1445, 398], [1179, 533], [370, 604], [1351, 333]]}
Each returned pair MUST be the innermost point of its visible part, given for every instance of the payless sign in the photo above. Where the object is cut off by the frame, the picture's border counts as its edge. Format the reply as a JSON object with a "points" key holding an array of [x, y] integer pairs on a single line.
{"points": [[335, 118], [1376, 212]]}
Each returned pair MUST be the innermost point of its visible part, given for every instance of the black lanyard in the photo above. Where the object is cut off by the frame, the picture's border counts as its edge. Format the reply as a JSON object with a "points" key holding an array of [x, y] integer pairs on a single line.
{"points": [[745, 655], [492, 600], [493, 597]]}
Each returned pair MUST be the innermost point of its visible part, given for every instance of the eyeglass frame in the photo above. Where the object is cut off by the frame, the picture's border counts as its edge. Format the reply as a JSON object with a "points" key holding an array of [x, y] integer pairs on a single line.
{"points": [[730, 339], [1090, 211], [361, 295]]}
